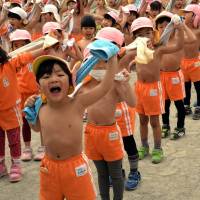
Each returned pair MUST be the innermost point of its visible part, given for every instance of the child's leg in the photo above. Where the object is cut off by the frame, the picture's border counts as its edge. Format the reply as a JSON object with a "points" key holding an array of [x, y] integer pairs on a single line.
{"points": [[26, 132], [165, 116], [103, 178], [115, 171], [2, 144], [40, 151], [181, 113], [196, 115], [3, 169], [14, 143], [188, 110], [157, 153], [155, 124], [144, 120], [132, 152], [15, 151]]}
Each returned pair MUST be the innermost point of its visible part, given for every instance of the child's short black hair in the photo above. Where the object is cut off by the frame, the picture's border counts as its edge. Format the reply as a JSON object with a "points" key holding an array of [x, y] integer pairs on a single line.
{"points": [[46, 67], [156, 5], [88, 21], [107, 16], [161, 20], [3, 56], [13, 15], [134, 13]]}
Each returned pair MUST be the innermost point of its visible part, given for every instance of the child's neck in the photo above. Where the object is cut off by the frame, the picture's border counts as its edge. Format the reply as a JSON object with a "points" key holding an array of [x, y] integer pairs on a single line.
{"points": [[60, 104]]}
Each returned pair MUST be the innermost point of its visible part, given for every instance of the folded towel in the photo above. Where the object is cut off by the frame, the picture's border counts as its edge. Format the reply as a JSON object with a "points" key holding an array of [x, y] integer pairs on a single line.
{"points": [[31, 113], [99, 50], [144, 54]]}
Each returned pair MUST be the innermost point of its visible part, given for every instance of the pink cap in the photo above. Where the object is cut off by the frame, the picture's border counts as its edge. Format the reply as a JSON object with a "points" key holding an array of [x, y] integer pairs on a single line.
{"points": [[16, 1], [111, 34], [141, 22], [20, 34], [164, 14], [131, 7], [113, 14], [195, 8], [49, 26]]}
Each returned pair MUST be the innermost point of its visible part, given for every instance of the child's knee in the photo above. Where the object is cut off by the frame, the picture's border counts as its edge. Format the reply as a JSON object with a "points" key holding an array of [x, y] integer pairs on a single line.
{"points": [[154, 121], [144, 120]]}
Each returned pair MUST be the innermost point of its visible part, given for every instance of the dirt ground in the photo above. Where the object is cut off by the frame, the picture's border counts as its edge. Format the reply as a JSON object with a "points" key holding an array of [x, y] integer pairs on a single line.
{"points": [[176, 178]]}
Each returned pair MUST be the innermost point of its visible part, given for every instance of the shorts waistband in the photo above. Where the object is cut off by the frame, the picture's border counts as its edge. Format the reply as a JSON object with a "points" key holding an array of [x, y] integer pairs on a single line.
{"points": [[91, 125], [169, 72], [70, 159]]}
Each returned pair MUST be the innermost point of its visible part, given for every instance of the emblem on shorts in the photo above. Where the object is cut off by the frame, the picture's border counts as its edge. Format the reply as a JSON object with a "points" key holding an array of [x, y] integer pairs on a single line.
{"points": [[197, 64], [175, 80], [5, 82], [81, 170], [118, 113], [113, 136], [153, 93]]}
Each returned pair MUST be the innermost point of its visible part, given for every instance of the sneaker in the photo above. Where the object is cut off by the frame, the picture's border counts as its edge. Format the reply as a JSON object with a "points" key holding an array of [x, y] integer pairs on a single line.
{"points": [[178, 132], [15, 173], [27, 154], [157, 156], [40, 154], [188, 110], [3, 169], [133, 181], [196, 115], [165, 131], [143, 152]]}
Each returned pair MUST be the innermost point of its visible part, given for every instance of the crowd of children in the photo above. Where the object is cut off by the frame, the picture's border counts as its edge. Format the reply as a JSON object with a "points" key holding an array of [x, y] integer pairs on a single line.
{"points": [[45, 44]]}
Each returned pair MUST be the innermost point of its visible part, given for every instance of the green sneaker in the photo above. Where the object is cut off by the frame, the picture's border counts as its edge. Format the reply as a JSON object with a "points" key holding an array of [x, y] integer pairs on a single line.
{"points": [[157, 156], [178, 132], [143, 152], [165, 131]]}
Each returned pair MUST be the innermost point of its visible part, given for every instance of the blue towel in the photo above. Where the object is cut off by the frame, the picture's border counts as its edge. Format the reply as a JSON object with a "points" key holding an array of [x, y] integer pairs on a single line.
{"points": [[100, 50], [31, 113]]}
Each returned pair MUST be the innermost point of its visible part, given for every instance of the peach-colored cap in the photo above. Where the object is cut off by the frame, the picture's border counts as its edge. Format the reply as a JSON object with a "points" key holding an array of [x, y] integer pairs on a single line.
{"points": [[49, 26], [111, 34], [195, 8], [141, 22], [164, 14], [16, 1], [113, 14], [19, 11], [20, 34]]}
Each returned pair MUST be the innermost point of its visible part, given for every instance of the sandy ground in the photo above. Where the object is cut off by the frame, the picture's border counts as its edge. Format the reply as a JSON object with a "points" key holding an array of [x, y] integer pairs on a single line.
{"points": [[176, 178]]}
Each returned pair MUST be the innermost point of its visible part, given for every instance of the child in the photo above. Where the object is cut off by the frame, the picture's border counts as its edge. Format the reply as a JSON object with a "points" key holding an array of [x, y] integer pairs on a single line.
{"points": [[27, 87], [172, 79], [190, 63], [64, 171], [88, 28], [150, 103], [10, 113], [102, 136], [110, 19]]}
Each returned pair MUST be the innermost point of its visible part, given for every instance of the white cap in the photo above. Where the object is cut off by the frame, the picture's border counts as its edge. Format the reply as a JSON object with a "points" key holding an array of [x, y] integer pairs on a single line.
{"points": [[50, 8], [19, 11]]}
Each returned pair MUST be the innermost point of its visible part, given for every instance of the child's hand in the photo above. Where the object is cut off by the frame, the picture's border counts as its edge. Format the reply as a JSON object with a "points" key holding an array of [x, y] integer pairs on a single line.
{"points": [[112, 62], [30, 102]]}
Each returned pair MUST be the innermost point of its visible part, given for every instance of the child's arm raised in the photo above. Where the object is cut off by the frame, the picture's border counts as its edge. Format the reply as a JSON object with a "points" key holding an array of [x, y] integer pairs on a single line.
{"points": [[190, 36], [92, 96], [124, 90], [178, 45]]}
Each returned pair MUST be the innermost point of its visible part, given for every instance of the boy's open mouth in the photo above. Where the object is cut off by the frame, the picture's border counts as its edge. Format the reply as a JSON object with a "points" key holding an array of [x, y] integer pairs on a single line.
{"points": [[55, 89]]}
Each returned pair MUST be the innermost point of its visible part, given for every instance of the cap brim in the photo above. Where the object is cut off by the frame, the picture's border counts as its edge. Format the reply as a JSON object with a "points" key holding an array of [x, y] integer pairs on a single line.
{"points": [[38, 61]]}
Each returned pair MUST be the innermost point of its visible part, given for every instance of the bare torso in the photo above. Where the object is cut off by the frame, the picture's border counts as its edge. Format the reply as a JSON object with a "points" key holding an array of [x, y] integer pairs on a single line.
{"points": [[172, 61], [192, 50], [149, 72], [62, 134], [103, 111]]}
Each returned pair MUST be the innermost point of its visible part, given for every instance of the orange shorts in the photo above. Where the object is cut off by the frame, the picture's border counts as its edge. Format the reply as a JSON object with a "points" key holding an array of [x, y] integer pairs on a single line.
{"points": [[70, 179], [103, 142], [191, 69], [125, 117], [11, 118], [149, 98], [173, 85]]}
